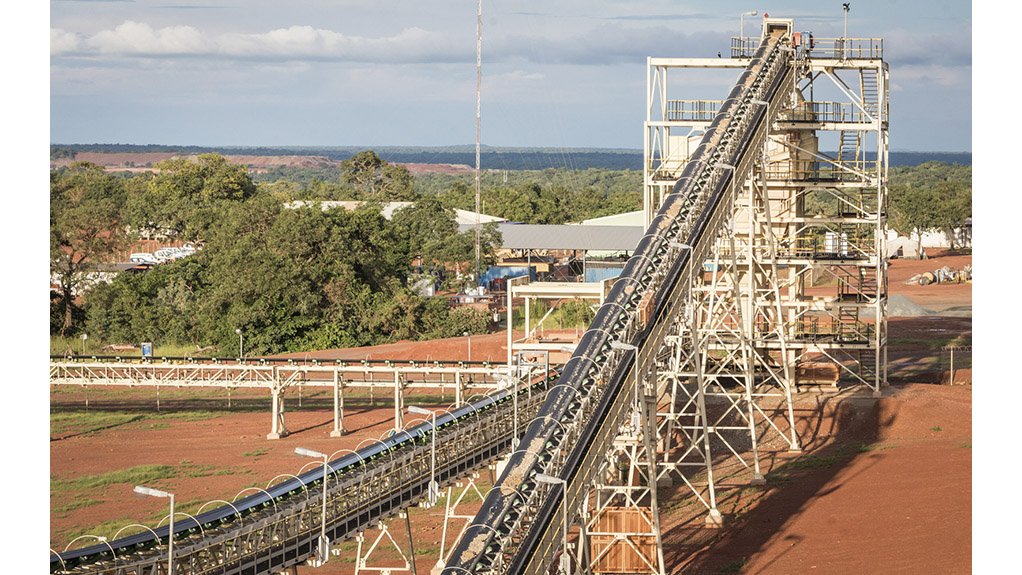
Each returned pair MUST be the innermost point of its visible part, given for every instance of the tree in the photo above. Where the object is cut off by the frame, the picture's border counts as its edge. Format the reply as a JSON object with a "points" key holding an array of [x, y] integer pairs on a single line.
{"points": [[85, 228], [186, 196], [912, 211], [930, 196], [953, 203], [375, 179]]}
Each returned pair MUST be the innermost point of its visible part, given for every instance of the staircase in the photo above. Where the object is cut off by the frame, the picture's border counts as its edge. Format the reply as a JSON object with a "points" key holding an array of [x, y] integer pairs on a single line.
{"points": [[870, 90]]}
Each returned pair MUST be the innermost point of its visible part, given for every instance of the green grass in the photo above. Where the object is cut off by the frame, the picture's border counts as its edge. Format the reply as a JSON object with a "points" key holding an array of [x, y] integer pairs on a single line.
{"points": [[733, 566], [89, 421], [78, 503], [63, 422], [59, 345], [835, 455], [936, 428], [258, 452], [138, 475], [967, 445]]}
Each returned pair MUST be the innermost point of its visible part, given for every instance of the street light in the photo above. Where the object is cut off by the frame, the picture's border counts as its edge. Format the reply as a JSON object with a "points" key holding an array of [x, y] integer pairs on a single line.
{"points": [[741, 28], [324, 543], [241, 342], [469, 336], [846, 6], [622, 346], [85, 336], [565, 556], [143, 490], [434, 487], [512, 382]]}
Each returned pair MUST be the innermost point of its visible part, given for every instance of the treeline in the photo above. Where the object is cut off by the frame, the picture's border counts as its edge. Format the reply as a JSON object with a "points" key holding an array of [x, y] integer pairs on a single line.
{"points": [[930, 197], [534, 197], [303, 278], [290, 279], [491, 157]]}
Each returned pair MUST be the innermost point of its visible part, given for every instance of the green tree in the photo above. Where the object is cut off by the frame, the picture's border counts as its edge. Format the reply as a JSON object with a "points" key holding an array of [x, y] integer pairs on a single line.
{"points": [[186, 197], [374, 179], [85, 229], [930, 196]]}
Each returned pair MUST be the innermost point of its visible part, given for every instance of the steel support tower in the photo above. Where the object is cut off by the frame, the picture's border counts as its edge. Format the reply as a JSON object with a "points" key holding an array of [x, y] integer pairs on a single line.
{"points": [[795, 289]]}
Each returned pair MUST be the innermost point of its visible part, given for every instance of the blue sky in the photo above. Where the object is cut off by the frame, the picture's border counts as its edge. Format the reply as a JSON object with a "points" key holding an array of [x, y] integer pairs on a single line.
{"points": [[402, 72]]}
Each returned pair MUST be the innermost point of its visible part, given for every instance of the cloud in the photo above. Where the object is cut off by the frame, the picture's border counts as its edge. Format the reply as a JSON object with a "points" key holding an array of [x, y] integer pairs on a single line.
{"points": [[908, 48], [136, 38], [409, 45], [606, 44], [930, 75], [62, 42], [610, 43]]}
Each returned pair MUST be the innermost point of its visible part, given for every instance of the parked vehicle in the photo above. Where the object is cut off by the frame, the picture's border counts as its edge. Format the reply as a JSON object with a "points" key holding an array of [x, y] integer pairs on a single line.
{"points": [[143, 258]]}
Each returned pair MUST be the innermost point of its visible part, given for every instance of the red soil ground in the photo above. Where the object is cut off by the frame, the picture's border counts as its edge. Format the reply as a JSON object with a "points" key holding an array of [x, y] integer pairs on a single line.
{"points": [[883, 485]]}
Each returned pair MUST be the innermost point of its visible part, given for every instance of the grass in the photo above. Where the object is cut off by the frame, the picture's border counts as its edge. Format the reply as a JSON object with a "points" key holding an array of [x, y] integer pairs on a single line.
{"points": [[815, 461], [59, 346], [78, 503], [138, 475], [84, 422], [257, 453], [936, 428], [733, 566], [838, 454], [967, 445], [89, 421]]}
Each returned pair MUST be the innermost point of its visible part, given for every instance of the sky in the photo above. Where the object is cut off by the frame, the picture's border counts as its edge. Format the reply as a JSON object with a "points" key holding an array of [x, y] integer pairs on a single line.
{"points": [[570, 73]]}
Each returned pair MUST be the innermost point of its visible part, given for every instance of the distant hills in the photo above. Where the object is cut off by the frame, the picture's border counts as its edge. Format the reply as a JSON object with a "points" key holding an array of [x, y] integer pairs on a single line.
{"points": [[491, 158]]}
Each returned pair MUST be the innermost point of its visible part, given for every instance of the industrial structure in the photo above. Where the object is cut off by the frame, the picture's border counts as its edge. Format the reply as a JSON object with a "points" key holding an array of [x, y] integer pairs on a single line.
{"points": [[762, 266]]}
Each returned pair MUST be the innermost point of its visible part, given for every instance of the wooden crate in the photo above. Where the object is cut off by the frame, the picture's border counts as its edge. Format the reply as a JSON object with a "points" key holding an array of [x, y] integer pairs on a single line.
{"points": [[623, 554]]}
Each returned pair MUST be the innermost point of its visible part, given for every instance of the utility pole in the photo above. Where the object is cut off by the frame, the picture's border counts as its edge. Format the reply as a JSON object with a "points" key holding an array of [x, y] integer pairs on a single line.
{"points": [[479, 84]]}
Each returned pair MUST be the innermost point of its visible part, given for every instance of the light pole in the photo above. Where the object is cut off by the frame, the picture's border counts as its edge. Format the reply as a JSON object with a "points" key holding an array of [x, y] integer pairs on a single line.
{"points": [[324, 543], [741, 28], [434, 487], [469, 336], [620, 345], [846, 7], [241, 343], [85, 336], [143, 490], [512, 383], [565, 556]]}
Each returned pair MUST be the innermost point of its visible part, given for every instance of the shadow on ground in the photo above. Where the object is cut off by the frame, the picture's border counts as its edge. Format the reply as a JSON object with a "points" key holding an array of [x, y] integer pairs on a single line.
{"points": [[834, 430]]}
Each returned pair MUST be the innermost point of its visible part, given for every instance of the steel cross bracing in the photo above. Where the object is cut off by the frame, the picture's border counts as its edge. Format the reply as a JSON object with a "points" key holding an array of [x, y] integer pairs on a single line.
{"points": [[517, 528], [750, 314], [279, 527], [465, 379]]}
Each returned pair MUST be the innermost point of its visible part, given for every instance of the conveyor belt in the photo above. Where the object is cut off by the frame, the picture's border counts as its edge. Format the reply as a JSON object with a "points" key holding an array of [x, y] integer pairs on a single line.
{"points": [[271, 530], [517, 530]]}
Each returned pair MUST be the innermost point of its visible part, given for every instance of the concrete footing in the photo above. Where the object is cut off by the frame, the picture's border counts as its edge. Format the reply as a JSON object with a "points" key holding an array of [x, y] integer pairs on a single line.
{"points": [[714, 519], [757, 479]]}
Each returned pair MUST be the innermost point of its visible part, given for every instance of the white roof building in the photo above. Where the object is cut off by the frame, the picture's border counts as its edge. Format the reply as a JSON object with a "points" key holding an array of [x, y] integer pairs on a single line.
{"points": [[464, 217]]}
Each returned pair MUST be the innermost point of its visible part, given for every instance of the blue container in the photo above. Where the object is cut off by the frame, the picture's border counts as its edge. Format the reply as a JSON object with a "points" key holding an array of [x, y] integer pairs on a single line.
{"points": [[147, 349]]}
